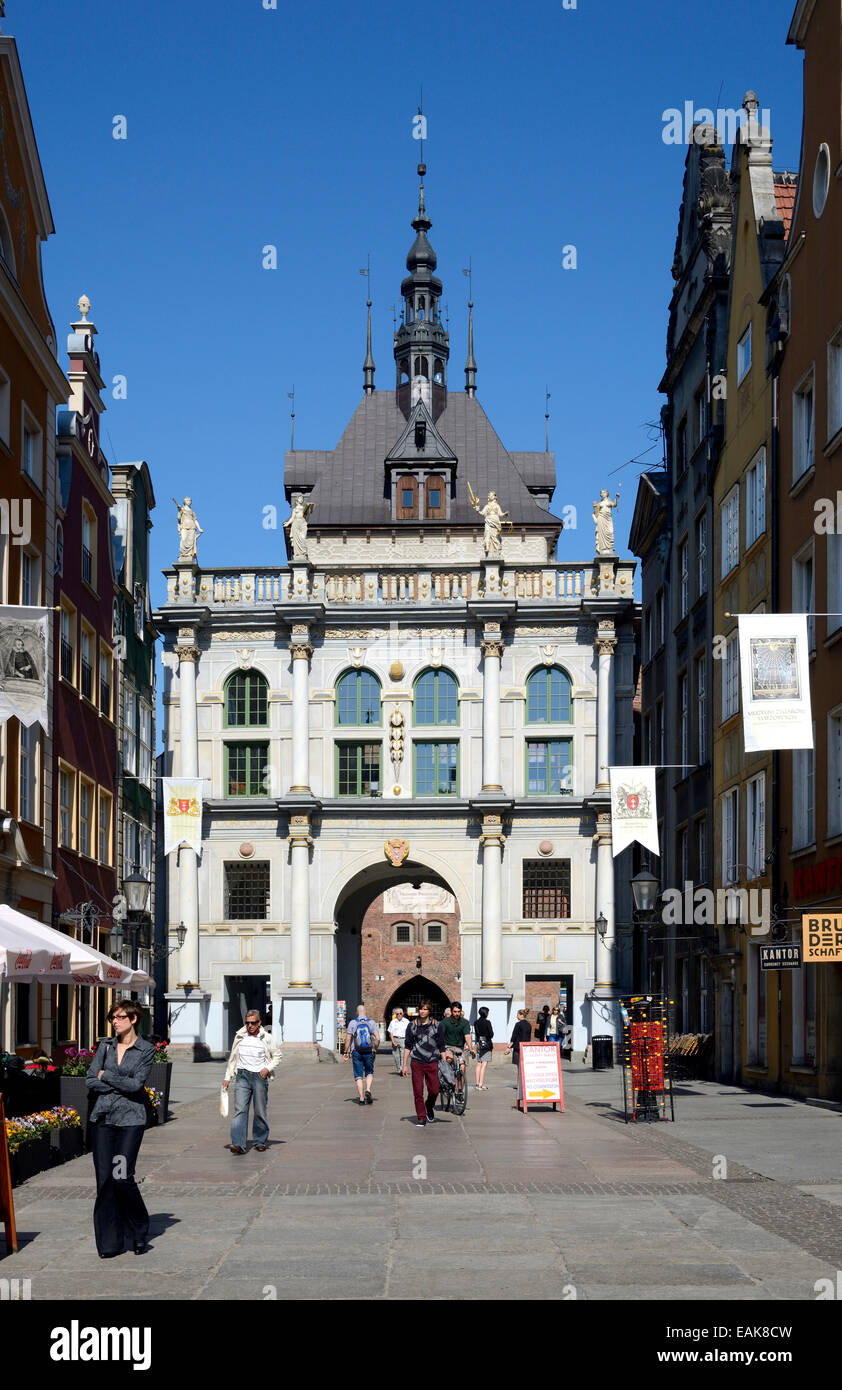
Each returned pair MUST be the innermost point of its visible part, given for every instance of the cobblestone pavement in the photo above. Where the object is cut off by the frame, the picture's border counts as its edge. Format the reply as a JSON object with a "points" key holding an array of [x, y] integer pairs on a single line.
{"points": [[604, 1210]]}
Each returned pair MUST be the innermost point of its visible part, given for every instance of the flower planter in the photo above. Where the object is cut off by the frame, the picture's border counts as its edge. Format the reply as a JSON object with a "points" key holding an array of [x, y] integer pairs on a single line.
{"points": [[159, 1078], [73, 1091], [67, 1143], [31, 1158]]}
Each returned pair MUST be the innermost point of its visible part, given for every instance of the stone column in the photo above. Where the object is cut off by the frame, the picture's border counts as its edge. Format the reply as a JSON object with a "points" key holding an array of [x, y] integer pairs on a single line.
{"points": [[605, 992], [299, 999], [301, 651], [605, 644], [188, 1002], [491, 840], [492, 652]]}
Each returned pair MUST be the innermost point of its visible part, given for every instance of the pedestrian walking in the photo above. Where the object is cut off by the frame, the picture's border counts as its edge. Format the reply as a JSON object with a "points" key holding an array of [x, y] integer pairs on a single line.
{"points": [[423, 1049], [541, 1023], [521, 1033], [361, 1043], [553, 1025], [254, 1057], [397, 1034], [117, 1076], [484, 1034]]}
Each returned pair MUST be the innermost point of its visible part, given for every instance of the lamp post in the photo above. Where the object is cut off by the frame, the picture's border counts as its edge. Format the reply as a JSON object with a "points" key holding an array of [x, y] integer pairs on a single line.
{"points": [[136, 889], [644, 888]]}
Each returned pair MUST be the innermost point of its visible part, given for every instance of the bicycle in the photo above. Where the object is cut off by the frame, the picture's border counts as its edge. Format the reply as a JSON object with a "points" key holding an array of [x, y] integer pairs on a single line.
{"points": [[453, 1094]]}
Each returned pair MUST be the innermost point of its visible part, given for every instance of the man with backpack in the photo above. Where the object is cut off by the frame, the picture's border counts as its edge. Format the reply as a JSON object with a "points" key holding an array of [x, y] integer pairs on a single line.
{"points": [[361, 1043]]}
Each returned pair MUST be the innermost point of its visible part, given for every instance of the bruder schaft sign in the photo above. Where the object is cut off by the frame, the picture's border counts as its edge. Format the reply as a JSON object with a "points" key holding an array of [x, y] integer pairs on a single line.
{"points": [[822, 932]]}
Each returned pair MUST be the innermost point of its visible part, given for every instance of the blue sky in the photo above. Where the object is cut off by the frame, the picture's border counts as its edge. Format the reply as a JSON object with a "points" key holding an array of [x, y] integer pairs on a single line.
{"points": [[293, 127]]}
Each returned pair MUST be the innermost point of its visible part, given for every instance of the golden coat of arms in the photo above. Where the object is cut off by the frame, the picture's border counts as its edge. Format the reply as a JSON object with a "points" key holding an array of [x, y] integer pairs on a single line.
{"points": [[183, 806], [396, 852]]}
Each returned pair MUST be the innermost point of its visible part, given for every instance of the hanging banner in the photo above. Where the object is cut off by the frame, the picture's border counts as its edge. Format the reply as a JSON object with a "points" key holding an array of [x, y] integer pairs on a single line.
{"points": [[633, 808], [774, 668], [23, 665], [182, 813]]}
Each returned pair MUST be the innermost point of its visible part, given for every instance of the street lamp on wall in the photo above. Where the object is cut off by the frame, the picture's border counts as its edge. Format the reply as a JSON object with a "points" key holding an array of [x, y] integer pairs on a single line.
{"points": [[644, 888], [602, 925]]}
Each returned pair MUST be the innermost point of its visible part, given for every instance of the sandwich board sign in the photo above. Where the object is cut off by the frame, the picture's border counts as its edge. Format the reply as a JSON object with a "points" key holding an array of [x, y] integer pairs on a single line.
{"points": [[539, 1076]]}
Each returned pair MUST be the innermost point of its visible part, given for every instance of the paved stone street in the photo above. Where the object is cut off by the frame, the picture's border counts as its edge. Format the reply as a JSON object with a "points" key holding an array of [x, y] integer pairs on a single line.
{"points": [[479, 1204]]}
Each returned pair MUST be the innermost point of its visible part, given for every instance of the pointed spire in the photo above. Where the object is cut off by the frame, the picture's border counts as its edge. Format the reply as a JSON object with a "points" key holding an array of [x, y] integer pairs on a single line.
{"points": [[368, 364], [470, 364]]}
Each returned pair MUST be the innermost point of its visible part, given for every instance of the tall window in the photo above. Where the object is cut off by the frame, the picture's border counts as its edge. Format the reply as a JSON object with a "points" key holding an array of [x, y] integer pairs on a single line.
{"points": [[144, 770], [802, 592], [803, 428], [730, 517], [436, 769], [647, 633], [660, 620], [32, 449], [702, 553], [681, 448], [247, 892], [684, 722], [804, 1016], [105, 813], [756, 826], [834, 773], [730, 835], [358, 769], [28, 745], [86, 816], [546, 888], [756, 1001], [87, 670], [105, 675], [548, 697], [834, 582], [129, 731], [88, 529], [682, 859], [684, 580], [246, 700], [702, 849], [756, 499], [66, 780], [29, 575], [245, 769], [434, 499], [701, 710], [548, 771], [731, 676], [834, 385], [407, 498], [803, 797], [358, 698], [744, 356], [68, 633], [659, 732], [436, 698]]}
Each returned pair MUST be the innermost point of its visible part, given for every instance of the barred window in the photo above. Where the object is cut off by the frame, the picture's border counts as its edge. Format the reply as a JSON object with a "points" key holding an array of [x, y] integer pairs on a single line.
{"points": [[247, 892], [546, 888], [434, 933], [401, 933]]}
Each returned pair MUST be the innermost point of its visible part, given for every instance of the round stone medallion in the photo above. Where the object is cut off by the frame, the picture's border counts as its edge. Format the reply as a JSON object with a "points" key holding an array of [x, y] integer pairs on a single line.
{"points": [[246, 850], [546, 847]]}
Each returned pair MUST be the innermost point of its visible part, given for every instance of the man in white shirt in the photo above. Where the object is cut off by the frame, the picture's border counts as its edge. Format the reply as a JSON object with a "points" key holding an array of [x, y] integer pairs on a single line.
{"points": [[397, 1033], [253, 1060]]}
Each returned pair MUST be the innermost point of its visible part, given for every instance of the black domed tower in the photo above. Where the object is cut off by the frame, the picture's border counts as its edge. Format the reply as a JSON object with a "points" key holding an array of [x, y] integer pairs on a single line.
{"points": [[422, 343]]}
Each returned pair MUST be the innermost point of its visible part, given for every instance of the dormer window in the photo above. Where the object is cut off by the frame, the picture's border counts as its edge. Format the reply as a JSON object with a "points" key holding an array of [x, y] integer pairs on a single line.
{"points": [[420, 434], [407, 498], [434, 497]]}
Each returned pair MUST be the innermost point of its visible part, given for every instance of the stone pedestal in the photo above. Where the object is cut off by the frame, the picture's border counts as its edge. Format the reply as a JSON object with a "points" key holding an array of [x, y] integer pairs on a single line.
{"points": [[188, 1024], [499, 1005], [299, 1011]]}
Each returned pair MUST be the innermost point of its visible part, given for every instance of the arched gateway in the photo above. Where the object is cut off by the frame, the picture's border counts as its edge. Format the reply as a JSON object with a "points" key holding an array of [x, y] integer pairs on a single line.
{"points": [[397, 941]]}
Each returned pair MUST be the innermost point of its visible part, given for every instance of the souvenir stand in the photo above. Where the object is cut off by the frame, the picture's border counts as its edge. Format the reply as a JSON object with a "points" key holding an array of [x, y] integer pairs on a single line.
{"points": [[647, 1084]]}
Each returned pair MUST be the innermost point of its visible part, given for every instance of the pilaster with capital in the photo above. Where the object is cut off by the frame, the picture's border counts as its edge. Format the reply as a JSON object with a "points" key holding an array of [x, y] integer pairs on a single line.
{"points": [[492, 839], [491, 646], [606, 642], [300, 650], [300, 841]]}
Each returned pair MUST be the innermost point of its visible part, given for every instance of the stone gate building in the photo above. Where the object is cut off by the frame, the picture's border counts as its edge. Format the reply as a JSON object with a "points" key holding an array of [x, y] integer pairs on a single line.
{"points": [[404, 732]]}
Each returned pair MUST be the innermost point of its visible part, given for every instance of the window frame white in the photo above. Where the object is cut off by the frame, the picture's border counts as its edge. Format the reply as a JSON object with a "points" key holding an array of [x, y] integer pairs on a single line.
{"points": [[756, 498], [729, 515], [804, 425], [744, 355], [756, 826]]}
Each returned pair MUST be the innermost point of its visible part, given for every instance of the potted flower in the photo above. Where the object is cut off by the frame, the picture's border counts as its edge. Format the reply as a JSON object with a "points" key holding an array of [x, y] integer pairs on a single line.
{"points": [[156, 1114], [160, 1075], [29, 1145], [73, 1088], [66, 1133]]}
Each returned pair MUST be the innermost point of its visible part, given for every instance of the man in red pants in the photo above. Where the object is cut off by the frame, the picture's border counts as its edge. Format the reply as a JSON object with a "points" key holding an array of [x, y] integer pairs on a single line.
{"points": [[423, 1048]]}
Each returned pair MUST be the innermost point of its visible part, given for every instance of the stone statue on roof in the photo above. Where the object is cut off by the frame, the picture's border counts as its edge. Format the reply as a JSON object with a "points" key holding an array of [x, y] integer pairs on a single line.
{"points": [[297, 524], [493, 516], [189, 530], [604, 522]]}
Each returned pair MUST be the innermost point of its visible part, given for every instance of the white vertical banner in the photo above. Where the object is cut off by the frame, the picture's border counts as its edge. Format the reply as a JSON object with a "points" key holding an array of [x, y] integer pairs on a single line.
{"points": [[182, 813], [634, 813], [23, 665], [775, 678]]}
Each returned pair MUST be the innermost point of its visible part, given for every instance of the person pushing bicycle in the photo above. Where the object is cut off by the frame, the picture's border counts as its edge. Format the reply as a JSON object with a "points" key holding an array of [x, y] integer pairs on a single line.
{"points": [[455, 1034]]}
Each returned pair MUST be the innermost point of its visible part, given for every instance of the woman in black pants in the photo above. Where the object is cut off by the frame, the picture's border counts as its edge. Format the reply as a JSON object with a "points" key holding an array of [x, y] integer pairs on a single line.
{"points": [[117, 1076], [485, 1046], [521, 1033]]}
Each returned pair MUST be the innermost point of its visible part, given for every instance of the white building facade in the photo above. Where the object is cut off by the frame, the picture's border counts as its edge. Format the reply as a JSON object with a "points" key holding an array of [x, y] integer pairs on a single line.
{"points": [[423, 694]]}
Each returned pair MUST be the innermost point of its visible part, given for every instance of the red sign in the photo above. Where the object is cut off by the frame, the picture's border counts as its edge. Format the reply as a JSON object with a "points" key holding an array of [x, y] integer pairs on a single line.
{"points": [[184, 804], [647, 1056], [824, 877], [632, 801]]}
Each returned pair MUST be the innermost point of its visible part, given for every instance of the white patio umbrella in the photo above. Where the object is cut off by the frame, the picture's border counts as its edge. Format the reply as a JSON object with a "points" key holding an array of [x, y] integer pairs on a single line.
{"points": [[58, 959]]}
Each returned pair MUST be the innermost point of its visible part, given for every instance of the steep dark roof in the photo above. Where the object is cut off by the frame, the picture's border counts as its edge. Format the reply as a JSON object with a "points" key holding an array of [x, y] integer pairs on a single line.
{"points": [[347, 484]]}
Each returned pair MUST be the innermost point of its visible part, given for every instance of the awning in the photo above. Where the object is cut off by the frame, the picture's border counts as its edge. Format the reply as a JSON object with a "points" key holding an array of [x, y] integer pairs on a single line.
{"points": [[29, 950]]}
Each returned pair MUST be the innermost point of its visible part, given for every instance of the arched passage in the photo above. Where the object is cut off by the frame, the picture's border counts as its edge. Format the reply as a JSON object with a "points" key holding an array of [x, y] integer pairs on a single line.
{"points": [[384, 948]]}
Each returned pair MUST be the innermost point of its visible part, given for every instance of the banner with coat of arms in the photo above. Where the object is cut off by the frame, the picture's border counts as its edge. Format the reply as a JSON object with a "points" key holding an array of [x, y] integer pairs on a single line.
{"points": [[23, 665], [182, 813], [775, 671], [633, 808]]}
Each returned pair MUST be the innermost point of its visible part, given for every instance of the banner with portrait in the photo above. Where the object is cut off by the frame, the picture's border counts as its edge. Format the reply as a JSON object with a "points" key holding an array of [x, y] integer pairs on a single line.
{"points": [[775, 677], [182, 813], [23, 665], [634, 813]]}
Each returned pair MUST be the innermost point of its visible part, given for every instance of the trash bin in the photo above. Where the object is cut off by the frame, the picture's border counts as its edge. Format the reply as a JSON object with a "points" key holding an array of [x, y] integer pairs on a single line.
{"points": [[602, 1053]]}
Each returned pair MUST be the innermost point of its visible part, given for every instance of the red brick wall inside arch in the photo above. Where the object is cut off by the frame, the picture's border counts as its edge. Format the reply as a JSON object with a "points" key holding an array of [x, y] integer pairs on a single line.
{"points": [[386, 965]]}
